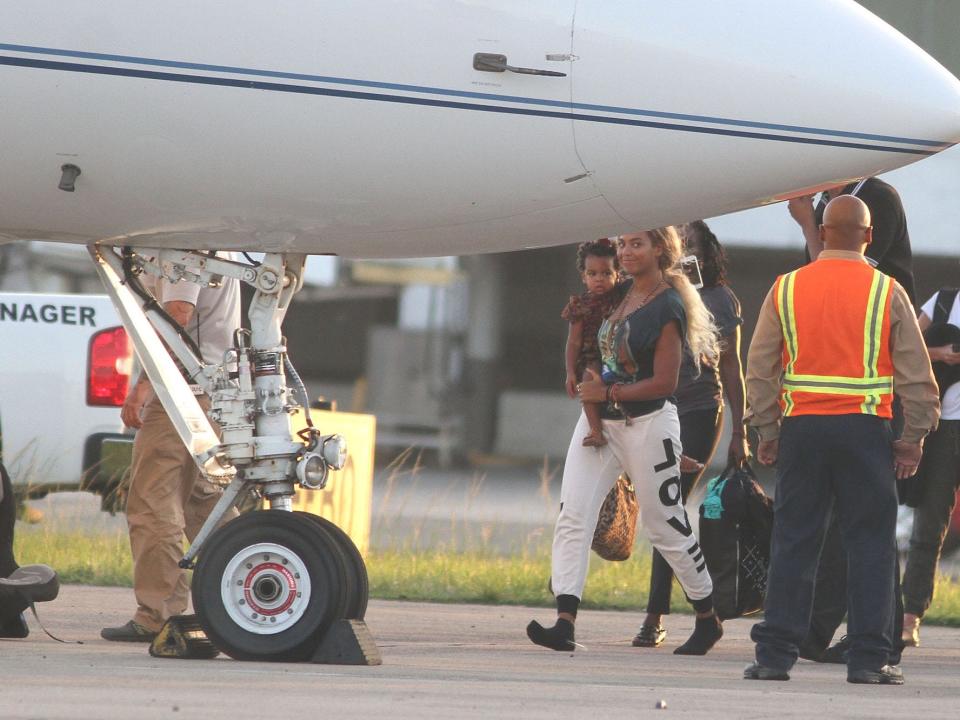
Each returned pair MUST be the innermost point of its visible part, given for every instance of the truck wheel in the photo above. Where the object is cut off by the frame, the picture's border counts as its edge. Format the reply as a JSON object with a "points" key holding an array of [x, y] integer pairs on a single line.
{"points": [[357, 579], [267, 586]]}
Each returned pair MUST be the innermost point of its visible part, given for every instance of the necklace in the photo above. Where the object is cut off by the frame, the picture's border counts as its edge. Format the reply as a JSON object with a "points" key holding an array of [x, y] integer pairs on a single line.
{"points": [[626, 301]]}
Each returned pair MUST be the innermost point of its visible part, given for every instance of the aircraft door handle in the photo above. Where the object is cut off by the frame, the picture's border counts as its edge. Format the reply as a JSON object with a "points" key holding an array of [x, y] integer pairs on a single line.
{"points": [[491, 62]]}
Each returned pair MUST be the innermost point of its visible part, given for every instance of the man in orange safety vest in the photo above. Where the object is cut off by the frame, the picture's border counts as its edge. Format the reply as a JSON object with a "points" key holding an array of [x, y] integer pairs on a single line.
{"points": [[834, 339]]}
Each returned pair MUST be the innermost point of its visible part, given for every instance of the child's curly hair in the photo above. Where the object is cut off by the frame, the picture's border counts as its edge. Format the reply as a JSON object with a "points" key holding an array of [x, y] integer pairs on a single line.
{"points": [[604, 247]]}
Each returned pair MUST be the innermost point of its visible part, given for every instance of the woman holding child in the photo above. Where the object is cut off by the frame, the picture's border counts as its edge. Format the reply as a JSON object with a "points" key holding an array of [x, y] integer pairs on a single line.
{"points": [[641, 346]]}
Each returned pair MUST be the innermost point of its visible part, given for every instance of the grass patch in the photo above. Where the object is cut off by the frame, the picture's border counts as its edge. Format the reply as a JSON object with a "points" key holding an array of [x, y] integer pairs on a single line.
{"points": [[101, 558], [945, 609], [521, 580], [435, 576]]}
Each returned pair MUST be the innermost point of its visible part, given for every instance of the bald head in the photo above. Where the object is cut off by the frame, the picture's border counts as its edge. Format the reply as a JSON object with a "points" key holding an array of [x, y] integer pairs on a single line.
{"points": [[846, 224]]}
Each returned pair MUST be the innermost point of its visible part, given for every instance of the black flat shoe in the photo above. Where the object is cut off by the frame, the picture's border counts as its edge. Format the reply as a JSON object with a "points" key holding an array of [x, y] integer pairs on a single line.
{"points": [[706, 632], [756, 671], [650, 636], [560, 637], [887, 675]]}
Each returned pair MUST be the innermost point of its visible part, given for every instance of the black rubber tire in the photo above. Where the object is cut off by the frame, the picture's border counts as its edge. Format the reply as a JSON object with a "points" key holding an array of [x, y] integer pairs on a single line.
{"points": [[324, 562], [358, 580], [339, 556]]}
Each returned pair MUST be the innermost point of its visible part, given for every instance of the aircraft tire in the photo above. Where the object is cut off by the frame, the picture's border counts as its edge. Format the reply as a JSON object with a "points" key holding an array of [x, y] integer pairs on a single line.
{"points": [[268, 585], [357, 580]]}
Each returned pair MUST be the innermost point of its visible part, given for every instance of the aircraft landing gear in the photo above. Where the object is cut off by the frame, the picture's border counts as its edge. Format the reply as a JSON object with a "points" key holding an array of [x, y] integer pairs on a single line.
{"points": [[269, 585]]}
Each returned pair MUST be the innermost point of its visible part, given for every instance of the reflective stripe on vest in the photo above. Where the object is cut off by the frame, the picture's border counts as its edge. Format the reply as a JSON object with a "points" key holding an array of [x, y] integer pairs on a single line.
{"points": [[788, 322], [871, 386]]}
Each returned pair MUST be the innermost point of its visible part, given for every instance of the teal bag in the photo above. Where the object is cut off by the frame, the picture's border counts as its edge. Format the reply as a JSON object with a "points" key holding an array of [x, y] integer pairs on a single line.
{"points": [[713, 502]]}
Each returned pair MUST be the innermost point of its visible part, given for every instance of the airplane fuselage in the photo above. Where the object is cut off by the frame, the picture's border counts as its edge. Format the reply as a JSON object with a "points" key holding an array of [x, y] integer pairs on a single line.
{"points": [[365, 130]]}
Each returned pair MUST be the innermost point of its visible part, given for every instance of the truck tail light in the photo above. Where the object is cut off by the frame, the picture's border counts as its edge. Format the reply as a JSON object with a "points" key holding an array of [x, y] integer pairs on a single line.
{"points": [[109, 365]]}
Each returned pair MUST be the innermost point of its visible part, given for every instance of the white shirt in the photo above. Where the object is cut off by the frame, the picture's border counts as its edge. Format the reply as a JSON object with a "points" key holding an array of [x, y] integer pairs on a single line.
{"points": [[216, 310], [950, 406]]}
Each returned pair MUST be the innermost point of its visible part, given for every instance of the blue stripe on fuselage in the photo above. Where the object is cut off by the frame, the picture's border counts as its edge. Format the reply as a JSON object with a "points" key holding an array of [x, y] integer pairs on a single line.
{"points": [[430, 102], [467, 94]]}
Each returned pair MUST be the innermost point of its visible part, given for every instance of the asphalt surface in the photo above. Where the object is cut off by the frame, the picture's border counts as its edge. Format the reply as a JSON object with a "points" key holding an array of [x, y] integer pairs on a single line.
{"points": [[443, 661]]}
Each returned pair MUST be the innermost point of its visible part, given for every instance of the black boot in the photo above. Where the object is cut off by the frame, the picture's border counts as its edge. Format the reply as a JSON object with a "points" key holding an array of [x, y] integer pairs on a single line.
{"points": [[559, 637], [706, 632]]}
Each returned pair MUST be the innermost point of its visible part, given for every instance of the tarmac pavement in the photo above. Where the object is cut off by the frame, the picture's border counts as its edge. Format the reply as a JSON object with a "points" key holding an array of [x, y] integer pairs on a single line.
{"points": [[443, 661]]}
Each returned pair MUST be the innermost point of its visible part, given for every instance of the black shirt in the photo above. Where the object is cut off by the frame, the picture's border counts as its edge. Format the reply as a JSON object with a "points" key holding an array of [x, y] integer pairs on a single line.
{"points": [[701, 389], [890, 250], [627, 347]]}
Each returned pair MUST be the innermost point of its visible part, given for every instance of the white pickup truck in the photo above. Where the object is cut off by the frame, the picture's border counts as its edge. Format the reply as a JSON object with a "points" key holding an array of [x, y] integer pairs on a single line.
{"points": [[65, 365]]}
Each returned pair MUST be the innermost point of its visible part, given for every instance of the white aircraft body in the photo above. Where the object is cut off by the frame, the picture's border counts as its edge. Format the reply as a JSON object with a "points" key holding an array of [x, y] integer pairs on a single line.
{"points": [[152, 132], [363, 128]]}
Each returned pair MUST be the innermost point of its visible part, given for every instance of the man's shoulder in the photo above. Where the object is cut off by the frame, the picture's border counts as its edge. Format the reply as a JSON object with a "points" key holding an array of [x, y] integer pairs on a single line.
{"points": [[900, 299], [876, 190], [720, 297]]}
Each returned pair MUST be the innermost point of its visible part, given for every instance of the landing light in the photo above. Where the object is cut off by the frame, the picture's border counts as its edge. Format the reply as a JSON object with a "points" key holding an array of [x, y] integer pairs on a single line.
{"points": [[312, 471], [335, 451]]}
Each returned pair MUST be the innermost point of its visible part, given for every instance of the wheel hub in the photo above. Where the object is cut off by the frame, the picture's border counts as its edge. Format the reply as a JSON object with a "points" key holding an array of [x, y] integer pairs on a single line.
{"points": [[266, 588]]}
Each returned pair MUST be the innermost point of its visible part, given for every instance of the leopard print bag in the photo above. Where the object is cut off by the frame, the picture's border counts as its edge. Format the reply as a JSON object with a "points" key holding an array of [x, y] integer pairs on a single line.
{"points": [[617, 524]]}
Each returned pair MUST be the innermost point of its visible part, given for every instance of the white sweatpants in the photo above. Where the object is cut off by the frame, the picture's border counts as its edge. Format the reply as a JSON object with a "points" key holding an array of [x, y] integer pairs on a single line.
{"points": [[648, 450]]}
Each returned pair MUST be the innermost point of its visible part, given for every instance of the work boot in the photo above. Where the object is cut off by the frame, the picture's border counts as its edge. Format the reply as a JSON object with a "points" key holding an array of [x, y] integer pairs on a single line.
{"points": [[887, 675], [131, 632]]}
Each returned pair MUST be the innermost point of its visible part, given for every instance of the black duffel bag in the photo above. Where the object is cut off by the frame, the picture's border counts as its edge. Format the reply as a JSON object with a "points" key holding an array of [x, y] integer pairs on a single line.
{"points": [[736, 522]]}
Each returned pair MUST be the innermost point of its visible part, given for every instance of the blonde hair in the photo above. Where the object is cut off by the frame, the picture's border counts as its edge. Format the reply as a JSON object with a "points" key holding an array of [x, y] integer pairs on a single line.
{"points": [[702, 335]]}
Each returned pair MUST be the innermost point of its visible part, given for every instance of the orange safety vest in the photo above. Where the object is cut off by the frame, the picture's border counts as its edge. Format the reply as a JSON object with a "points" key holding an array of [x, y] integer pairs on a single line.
{"points": [[835, 317]]}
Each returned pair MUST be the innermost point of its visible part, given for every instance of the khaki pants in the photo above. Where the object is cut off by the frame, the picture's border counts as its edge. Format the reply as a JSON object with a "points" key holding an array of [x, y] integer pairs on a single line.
{"points": [[168, 499]]}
